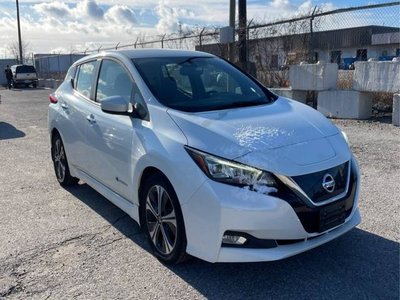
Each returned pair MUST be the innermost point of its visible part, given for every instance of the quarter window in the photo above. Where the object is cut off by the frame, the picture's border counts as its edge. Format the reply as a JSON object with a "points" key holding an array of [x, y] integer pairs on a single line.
{"points": [[85, 77]]}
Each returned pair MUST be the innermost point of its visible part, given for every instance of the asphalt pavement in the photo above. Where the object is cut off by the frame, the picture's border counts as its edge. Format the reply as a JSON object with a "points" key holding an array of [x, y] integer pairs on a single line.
{"points": [[60, 243]]}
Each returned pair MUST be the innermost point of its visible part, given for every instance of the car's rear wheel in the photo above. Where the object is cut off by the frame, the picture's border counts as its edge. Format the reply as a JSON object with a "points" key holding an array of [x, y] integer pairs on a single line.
{"points": [[60, 163], [162, 220]]}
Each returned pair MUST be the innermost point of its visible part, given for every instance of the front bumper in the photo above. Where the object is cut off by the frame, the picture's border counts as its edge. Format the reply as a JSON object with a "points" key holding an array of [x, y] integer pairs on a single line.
{"points": [[284, 251], [216, 208]]}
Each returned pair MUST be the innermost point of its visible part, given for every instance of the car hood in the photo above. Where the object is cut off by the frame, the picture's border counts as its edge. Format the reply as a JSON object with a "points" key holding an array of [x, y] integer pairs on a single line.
{"points": [[233, 133]]}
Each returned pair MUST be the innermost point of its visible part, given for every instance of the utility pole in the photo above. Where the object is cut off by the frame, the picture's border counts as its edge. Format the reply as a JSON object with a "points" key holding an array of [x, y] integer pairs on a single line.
{"points": [[243, 34], [19, 35]]}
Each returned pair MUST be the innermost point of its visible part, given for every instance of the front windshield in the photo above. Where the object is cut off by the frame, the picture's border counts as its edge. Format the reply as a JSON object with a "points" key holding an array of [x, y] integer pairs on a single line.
{"points": [[196, 84]]}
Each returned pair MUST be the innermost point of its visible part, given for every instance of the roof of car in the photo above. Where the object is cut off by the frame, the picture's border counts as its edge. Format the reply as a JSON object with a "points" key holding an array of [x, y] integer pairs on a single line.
{"points": [[146, 53], [21, 65]]}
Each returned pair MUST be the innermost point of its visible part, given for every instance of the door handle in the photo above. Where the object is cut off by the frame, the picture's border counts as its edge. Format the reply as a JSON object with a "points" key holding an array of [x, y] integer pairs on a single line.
{"points": [[64, 105], [91, 119]]}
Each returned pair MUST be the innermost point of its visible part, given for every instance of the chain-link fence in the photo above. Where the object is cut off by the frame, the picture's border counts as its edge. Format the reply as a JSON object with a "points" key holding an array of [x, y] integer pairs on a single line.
{"points": [[342, 36]]}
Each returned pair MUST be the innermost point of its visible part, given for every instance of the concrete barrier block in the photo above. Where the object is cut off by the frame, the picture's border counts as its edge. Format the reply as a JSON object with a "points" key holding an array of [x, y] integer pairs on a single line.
{"points": [[396, 110], [49, 83], [300, 96], [41, 83], [57, 83], [313, 77], [345, 104], [377, 76]]}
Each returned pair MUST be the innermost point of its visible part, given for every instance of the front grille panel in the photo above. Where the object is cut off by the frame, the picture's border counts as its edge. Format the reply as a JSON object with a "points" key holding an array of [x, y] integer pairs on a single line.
{"points": [[310, 216], [311, 184]]}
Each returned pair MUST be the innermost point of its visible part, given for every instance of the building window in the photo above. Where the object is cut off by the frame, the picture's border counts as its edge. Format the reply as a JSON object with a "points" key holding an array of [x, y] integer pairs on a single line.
{"points": [[336, 57], [361, 55]]}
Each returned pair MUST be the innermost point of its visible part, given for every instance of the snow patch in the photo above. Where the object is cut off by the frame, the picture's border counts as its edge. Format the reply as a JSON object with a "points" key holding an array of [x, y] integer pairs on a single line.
{"points": [[253, 136], [263, 189]]}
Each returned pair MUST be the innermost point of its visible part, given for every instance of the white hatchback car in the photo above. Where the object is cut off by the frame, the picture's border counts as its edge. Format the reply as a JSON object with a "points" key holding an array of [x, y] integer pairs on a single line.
{"points": [[206, 159]]}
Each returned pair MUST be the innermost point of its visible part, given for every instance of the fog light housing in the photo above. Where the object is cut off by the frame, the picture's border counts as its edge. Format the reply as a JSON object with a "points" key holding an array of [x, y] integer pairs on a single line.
{"points": [[233, 239]]}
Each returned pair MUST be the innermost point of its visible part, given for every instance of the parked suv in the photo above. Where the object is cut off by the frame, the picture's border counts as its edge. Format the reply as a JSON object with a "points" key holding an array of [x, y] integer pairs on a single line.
{"points": [[205, 158], [24, 75]]}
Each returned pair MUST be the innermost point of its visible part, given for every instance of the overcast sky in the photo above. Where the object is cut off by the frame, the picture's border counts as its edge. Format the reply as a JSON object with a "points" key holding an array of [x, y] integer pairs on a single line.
{"points": [[76, 25]]}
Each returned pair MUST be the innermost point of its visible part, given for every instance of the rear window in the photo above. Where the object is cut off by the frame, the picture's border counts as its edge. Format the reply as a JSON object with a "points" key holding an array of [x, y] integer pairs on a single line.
{"points": [[71, 73], [25, 69]]}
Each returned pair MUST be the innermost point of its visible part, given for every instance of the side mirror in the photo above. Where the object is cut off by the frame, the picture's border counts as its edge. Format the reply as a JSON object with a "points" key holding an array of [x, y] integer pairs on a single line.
{"points": [[114, 105], [141, 111]]}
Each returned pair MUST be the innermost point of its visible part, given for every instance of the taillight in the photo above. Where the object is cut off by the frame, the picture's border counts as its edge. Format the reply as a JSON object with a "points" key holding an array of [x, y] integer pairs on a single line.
{"points": [[52, 99]]}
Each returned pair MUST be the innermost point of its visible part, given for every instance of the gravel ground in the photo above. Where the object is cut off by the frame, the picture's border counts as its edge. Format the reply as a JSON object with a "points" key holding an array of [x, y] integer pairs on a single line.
{"points": [[62, 244]]}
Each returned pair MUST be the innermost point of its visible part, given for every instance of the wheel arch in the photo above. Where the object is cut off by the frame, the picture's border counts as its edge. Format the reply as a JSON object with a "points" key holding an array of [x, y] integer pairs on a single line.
{"points": [[148, 172], [53, 133]]}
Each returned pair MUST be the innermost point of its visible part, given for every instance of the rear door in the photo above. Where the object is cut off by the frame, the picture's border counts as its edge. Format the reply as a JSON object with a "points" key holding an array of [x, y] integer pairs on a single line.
{"points": [[110, 136], [74, 104]]}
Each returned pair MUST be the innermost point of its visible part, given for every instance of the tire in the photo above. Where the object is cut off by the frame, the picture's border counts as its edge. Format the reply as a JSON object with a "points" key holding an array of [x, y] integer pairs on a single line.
{"points": [[163, 224], [60, 163]]}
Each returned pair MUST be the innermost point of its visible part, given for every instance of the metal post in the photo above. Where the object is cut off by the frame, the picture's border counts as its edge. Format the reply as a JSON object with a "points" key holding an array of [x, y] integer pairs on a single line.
{"points": [[311, 43], [200, 37], [21, 59], [242, 34], [232, 18], [59, 67], [162, 41], [48, 67]]}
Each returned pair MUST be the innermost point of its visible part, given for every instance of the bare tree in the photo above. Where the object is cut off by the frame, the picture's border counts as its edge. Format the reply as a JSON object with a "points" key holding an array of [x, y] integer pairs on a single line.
{"points": [[13, 48], [274, 47]]}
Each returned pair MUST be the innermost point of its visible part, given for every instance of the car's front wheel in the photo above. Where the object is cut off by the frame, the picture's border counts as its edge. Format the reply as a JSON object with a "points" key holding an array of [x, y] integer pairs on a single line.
{"points": [[162, 220], [60, 162]]}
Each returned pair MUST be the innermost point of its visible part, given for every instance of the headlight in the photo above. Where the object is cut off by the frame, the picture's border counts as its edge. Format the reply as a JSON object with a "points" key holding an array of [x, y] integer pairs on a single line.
{"points": [[233, 173]]}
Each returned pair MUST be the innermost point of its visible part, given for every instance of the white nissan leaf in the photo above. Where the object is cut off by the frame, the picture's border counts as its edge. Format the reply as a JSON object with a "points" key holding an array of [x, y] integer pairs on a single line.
{"points": [[206, 159]]}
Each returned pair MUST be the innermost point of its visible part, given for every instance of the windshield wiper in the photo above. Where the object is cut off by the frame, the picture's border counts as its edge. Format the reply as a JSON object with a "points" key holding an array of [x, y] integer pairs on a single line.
{"points": [[240, 104]]}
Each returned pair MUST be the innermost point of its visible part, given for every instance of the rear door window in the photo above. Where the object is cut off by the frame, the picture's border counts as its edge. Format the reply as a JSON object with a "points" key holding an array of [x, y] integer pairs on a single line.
{"points": [[85, 78]]}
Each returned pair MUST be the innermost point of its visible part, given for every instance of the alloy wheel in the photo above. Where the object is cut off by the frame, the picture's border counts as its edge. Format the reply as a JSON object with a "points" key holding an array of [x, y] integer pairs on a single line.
{"points": [[59, 160], [161, 219]]}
